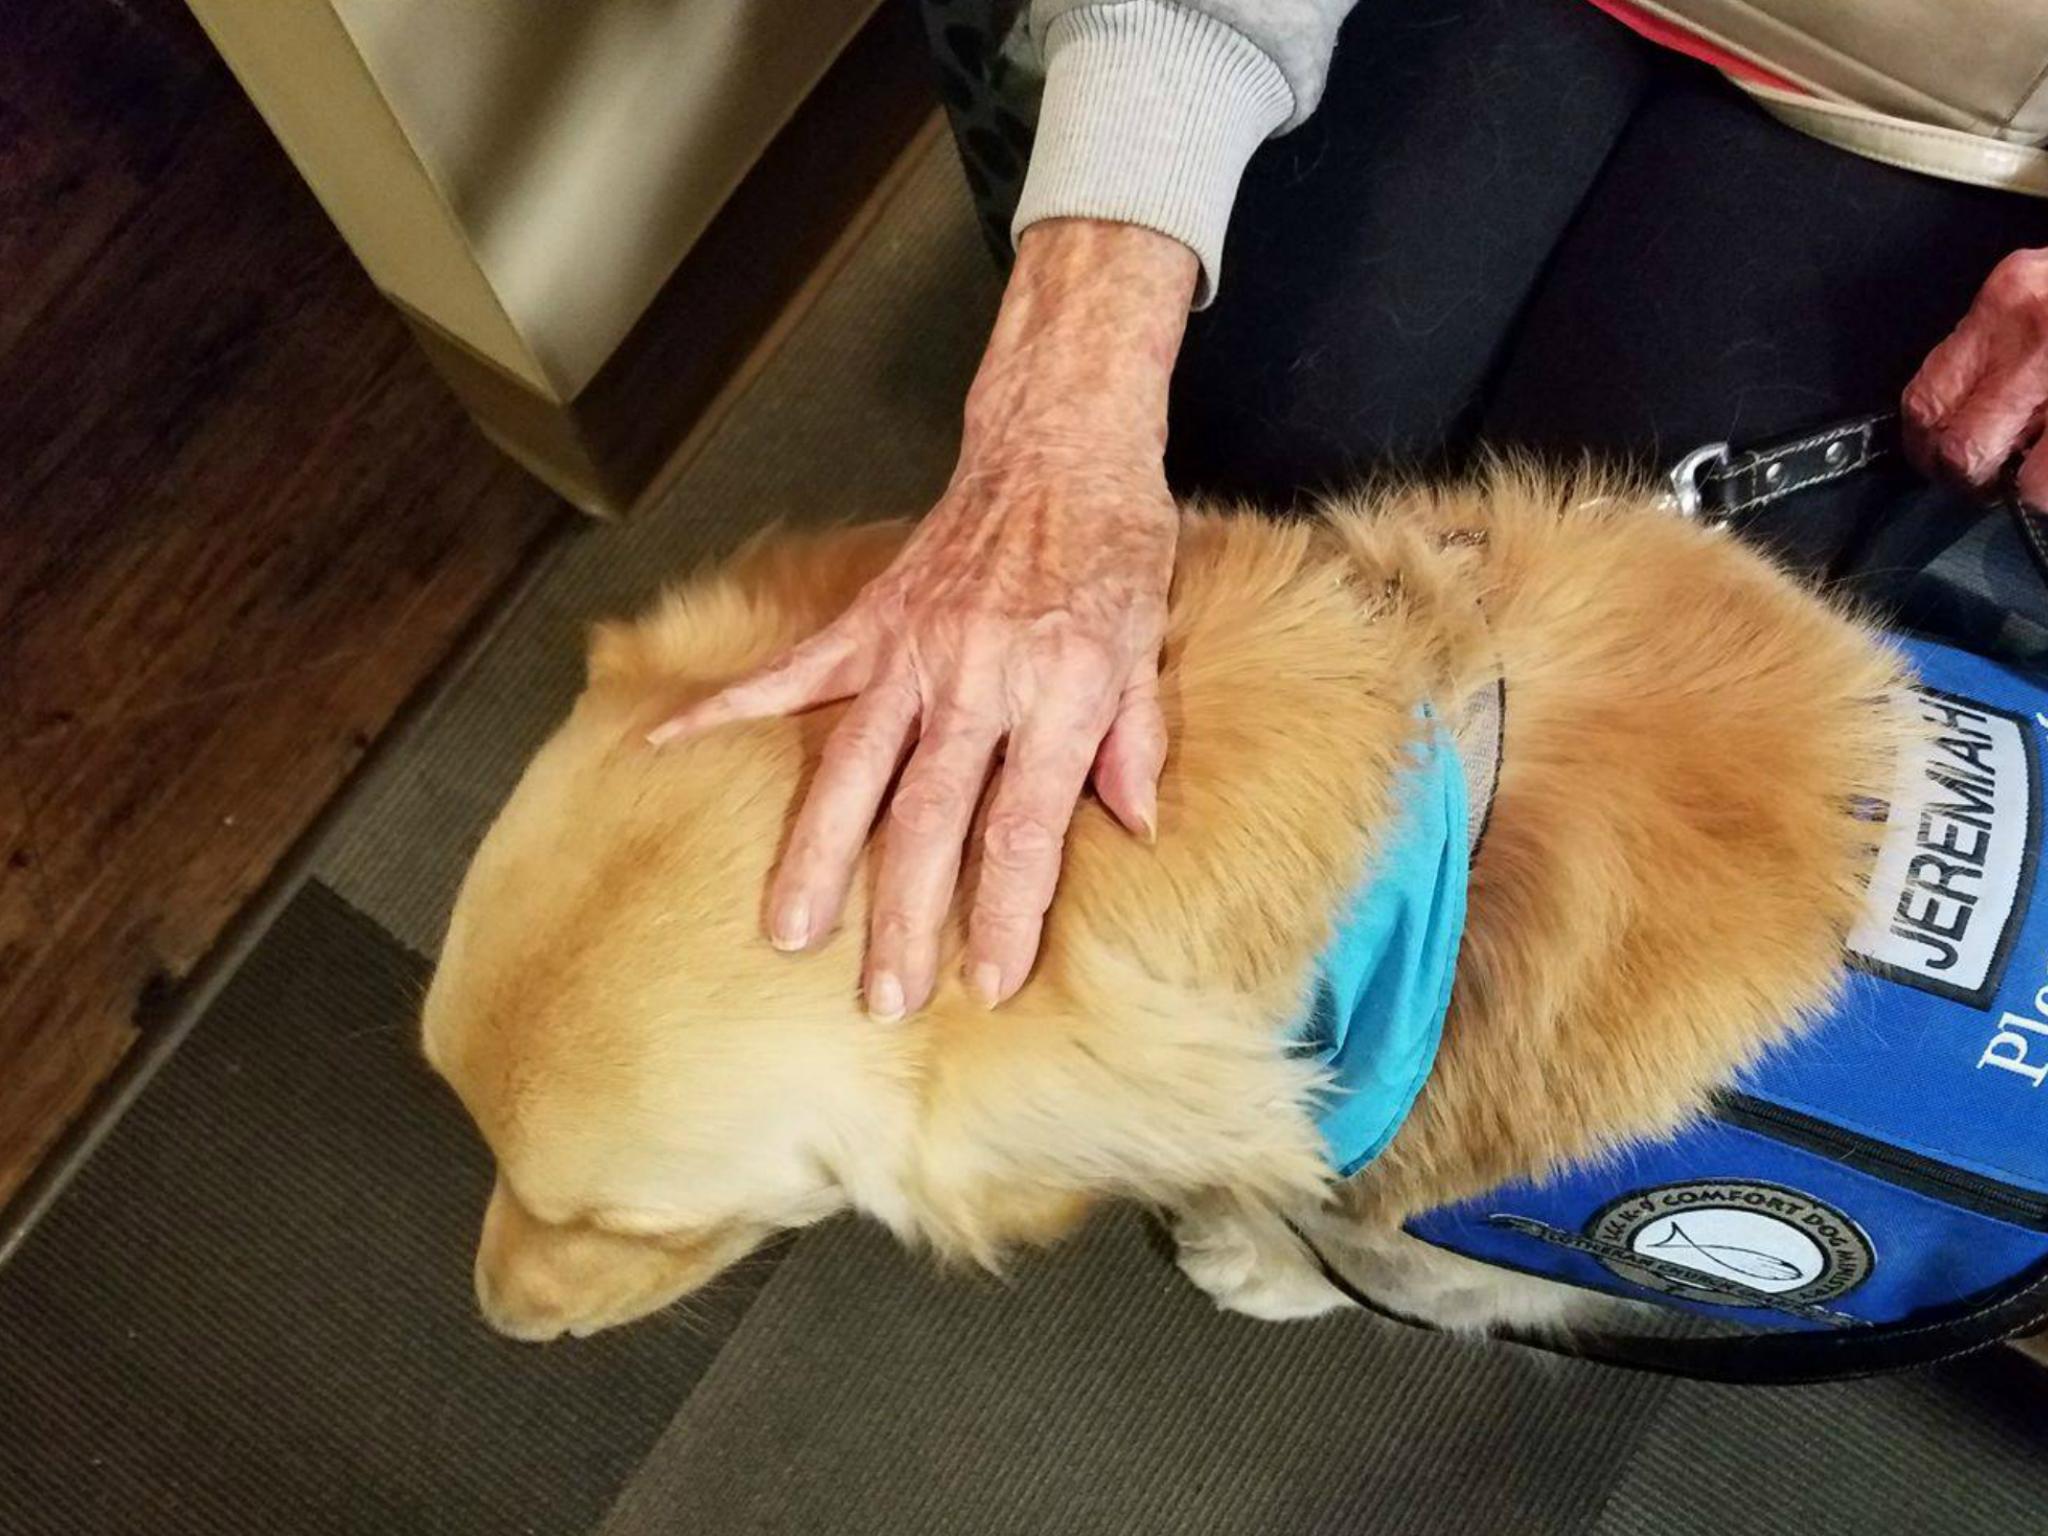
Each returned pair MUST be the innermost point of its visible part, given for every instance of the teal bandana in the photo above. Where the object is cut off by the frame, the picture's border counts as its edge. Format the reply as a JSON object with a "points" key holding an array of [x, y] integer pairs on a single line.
{"points": [[1384, 984]]}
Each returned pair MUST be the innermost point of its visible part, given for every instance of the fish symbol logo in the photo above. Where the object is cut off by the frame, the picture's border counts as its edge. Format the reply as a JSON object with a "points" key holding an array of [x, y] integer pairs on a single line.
{"points": [[1753, 1264]]}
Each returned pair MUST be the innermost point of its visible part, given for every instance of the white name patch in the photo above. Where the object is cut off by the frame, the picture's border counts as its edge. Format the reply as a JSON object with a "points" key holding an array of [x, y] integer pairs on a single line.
{"points": [[1949, 886]]}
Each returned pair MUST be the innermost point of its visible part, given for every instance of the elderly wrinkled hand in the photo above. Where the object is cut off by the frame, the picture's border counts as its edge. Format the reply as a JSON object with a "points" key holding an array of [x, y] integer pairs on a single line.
{"points": [[1980, 398], [1023, 617]]}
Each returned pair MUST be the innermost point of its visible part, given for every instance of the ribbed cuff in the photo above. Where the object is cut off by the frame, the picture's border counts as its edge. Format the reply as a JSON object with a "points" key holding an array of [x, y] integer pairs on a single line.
{"points": [[1149, 115]]}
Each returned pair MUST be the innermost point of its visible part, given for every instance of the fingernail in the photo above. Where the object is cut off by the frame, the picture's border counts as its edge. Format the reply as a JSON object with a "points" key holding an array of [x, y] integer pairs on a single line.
{"points": [[988, 983], [664, 733], [1148, 814], [885, 998], [792, 926]]}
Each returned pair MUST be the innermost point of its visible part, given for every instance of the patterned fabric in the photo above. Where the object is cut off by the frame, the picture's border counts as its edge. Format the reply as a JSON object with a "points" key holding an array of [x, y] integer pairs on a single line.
{"points": [[989, 77]]}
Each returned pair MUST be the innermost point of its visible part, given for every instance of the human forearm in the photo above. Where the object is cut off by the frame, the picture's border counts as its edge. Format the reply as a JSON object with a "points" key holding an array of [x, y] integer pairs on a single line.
{"points": [[1152, 108], [1084, 344]]}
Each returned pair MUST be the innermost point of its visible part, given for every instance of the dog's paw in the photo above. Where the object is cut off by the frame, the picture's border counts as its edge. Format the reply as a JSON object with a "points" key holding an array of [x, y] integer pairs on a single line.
{"points": [[1265, 1275]]}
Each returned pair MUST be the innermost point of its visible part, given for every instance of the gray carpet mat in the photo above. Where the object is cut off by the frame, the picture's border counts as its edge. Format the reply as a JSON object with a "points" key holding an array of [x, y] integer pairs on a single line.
{"points": [[865, 1394], [252, 1311], [869, 1395], [1963, 1449]]}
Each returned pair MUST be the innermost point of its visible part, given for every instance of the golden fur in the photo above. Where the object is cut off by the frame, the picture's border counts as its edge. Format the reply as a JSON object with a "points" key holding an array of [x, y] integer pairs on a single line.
{"points": [[1669, 871]]}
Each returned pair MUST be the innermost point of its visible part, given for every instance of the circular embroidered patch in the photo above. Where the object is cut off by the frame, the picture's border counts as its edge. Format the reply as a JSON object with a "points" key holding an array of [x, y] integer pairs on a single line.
{"points": [[1733, 1243]]}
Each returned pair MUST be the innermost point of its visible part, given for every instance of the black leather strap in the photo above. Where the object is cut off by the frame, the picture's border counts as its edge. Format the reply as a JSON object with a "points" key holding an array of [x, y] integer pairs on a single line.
{"points": [[1734, 483], [1717, 483]]}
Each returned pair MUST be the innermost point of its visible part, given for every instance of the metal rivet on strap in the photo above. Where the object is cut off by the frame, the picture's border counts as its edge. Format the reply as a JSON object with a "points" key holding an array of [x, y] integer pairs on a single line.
{"points": [[1773, 473], [1837, 453]]}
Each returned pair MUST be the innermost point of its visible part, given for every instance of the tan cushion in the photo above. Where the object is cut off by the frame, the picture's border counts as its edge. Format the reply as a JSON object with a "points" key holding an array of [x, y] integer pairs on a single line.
{"points": [[1976, 65]]}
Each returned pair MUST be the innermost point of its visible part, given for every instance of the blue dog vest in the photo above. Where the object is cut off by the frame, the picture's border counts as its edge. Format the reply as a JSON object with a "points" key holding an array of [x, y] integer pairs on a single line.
{"points": [[1886, 1170]]}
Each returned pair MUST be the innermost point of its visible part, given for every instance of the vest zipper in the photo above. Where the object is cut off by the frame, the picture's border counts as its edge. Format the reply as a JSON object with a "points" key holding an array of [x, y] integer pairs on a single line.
{"points": [[1895, 1165]]}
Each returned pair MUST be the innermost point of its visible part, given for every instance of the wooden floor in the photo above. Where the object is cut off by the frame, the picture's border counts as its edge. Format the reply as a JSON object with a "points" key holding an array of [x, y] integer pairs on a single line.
{"points": [[240, 520]]}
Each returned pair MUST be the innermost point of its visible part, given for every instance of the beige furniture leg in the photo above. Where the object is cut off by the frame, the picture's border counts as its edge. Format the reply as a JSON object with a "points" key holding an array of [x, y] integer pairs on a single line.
{"points": [[590, 213]]}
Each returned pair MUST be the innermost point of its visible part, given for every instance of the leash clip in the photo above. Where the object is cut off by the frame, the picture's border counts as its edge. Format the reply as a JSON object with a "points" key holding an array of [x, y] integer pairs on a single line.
{"points": [[1684, 497], [1715, 485]]}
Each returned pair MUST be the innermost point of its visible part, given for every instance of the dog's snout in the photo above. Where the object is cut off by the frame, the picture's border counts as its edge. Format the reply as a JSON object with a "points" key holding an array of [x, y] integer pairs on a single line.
{"points": [[518, 1318], [523, 1331]]}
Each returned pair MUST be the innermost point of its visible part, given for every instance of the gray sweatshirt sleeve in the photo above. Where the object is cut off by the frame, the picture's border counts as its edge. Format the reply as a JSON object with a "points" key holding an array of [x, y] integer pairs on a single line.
{"points": [[1152, 108]]}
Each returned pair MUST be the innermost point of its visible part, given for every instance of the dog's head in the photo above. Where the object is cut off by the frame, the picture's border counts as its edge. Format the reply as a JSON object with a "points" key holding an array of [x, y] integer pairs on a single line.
{"points": [[660, 1089], [663, 1091]]}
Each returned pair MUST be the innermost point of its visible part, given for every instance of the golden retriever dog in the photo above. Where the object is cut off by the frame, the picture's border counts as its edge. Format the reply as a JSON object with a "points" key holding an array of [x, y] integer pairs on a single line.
{"points": [[663, 1091]]}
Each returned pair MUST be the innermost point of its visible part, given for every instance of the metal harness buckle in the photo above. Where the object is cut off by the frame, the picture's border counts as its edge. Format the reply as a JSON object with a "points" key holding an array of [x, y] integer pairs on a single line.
{"points": [[1684, 495]]}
